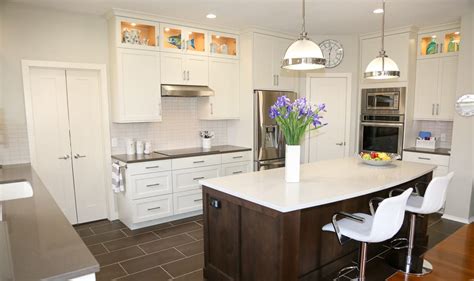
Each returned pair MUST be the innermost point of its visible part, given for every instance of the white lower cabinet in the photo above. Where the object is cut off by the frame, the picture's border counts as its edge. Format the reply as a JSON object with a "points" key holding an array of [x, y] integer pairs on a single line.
{"points": [[441, 161], [166, 190]]}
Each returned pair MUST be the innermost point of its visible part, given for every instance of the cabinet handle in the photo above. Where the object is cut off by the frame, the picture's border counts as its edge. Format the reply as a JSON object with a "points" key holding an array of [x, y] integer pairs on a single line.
{"points": [[237, 157], [437, 109], [278, 79], [432, 109], [340, 143], [151, 209], [187, 75], [199, 178], [65, 157], [424, 158], [152, 167], [237, 172], [152, 185], [274, 80], [200, 161], [184, 74], [197, 200], [212, 109]]}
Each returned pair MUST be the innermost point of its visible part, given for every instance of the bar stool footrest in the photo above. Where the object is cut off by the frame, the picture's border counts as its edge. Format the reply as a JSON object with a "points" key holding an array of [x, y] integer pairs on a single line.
{"points": [[394, 243]]}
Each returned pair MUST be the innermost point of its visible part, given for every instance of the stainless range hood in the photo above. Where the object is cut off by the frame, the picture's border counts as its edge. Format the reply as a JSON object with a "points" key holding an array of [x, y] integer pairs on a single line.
{"points": [[185, 91]]}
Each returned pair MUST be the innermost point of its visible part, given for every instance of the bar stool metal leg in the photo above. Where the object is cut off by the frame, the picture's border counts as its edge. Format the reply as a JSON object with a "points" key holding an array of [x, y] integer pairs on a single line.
{"points": [[362, 261]]}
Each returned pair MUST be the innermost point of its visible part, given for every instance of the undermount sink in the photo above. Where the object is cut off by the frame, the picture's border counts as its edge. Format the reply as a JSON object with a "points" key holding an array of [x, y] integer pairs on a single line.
{"points": [[14, 190]]}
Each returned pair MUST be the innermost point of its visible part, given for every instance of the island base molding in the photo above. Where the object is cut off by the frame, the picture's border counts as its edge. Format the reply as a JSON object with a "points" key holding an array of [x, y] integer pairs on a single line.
{"points": [[244, 241]]}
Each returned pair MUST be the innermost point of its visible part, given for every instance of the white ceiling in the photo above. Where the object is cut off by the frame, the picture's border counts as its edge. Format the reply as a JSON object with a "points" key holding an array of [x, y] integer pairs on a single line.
{"points": [[323, 16]]}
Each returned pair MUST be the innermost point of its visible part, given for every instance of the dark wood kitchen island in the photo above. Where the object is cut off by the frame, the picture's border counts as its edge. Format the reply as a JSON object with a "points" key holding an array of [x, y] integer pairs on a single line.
{"points": [[257, 227]]}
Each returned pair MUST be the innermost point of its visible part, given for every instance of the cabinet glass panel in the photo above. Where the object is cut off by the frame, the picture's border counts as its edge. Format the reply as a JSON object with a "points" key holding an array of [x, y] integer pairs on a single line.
{"points": [[429, 45], [196, 41], [136, 33], [451, 42], [172, 38], [223, 45]]}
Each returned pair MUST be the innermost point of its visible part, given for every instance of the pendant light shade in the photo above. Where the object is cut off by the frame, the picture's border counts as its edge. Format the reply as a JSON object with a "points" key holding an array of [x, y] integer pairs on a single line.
{"points": [[303, 54], [382, 67]]}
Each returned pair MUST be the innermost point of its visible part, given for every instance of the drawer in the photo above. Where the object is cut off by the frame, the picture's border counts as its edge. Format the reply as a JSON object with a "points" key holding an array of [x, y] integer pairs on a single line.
{"points": [[147, 185], [235, 168], [148, 167], [188, 179], [152, 208], [197, 161], [187, 201], [236, 157], [426, 158]]}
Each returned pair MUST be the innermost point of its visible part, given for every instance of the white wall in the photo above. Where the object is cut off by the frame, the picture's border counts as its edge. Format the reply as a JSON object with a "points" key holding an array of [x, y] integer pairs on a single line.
{"points": [[349, 64], [39, 34], [460, 203]]}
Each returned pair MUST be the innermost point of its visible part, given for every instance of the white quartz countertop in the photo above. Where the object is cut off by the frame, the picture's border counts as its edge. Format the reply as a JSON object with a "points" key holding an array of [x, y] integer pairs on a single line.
{"points": [[321, 183]]}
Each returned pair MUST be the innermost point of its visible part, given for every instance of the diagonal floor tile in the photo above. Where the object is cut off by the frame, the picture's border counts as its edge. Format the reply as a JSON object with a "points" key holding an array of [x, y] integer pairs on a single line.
{"points": [[110, 272], [184, 266], [108, 236], [195, 276], [192, 249], [130, 241], [149, 261], [108, 227], [181, 228], [97, 249], [120, 255], [185, 220], [166, 243], [91, 224], [198, 234], [146, 229], [154, 274]]}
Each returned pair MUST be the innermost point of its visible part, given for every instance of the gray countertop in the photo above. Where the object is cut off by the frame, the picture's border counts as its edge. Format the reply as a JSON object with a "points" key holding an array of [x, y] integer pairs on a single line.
{"points": [[42, 243], [179, 153], [440, 150]]}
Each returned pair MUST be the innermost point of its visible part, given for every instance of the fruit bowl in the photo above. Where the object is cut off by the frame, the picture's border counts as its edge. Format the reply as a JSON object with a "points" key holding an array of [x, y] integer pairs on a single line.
{"points": [[378, 158]]}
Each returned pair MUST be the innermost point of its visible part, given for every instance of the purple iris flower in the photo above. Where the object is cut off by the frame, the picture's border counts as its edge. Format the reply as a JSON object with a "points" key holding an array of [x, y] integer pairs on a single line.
{"points": [[274, 112]]}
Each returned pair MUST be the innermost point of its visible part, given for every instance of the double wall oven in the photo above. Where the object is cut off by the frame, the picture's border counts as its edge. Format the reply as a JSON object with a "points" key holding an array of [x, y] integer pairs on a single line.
{"points": [[382, 120]]}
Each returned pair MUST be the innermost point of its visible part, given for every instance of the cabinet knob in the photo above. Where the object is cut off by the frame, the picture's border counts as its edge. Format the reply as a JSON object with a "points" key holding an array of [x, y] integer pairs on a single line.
{"points": [[215, 203]]}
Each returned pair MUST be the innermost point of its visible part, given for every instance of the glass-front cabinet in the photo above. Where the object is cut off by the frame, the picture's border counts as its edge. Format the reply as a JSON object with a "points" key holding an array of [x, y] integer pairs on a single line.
{"points": [[181, 39], [446, 42], [137, 34], [223, 45]]}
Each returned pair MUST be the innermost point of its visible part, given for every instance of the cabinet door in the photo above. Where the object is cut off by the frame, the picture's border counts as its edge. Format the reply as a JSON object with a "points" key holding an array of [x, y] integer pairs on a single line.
{"points": [[447, 87], [224, 80], [426, 90], [85, 116], [197, 70], [172, 69], [263, 71], [196, 42], [285, 79], [223, 45], [139, 86], [137, 34], [172, 38]]}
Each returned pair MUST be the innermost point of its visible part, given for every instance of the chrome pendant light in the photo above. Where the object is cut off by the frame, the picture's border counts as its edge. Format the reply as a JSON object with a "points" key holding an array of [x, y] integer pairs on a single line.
{"points": [[382, 67], [303, 54]]}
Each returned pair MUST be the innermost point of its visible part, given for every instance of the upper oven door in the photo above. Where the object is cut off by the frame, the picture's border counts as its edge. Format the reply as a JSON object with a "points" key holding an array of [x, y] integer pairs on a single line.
{"points": [[383, 137], [383, 101]]}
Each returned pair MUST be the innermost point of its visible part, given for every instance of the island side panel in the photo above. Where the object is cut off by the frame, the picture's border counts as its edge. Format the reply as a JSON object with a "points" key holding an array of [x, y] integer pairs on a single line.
{"points": [[245, 241]]}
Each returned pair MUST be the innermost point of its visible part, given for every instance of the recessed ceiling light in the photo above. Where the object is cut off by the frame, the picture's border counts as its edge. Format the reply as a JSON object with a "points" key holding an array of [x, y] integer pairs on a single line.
{"points": [[457, 32], [133, 24], [211, 16], [378, 11]]}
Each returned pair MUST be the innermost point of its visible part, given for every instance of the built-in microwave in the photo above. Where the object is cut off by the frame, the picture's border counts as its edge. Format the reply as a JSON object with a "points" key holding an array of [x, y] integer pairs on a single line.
{"points": [[383, 101]]}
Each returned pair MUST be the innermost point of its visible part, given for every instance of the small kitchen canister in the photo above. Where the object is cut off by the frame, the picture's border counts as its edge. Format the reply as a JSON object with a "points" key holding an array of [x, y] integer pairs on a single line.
{"points": [[147, 147], [131, 147], [140, 147]]}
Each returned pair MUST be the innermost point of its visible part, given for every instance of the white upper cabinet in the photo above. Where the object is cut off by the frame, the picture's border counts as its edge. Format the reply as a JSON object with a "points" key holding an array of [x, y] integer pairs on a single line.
{"points": [[181, 69], [136, 91], [439, 43], [223, 45], [224, 80], [136, 34], [397, 47], [180, 39], [268, 55], [435, 89]]}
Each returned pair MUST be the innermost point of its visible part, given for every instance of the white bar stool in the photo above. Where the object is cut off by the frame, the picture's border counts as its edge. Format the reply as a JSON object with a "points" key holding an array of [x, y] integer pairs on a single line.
{"points": [[382, 225], [432, 202]]}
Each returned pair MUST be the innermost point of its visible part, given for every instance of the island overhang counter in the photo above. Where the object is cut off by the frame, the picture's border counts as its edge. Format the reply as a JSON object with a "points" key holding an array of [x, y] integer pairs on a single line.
{"points": [[258, 227]]}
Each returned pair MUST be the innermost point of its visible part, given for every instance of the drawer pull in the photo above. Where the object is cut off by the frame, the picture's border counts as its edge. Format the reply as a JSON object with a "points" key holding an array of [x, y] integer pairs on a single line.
{"points": [[237, 172], [152, 167], [152, 185], [424, 158], [237, 157], [199, 178], [156, 208], [197, 200], [200, 161]]}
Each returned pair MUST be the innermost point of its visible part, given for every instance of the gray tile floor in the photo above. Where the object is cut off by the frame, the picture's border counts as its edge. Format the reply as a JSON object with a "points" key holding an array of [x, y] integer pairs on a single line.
{"points": [[169, 251], [174, 251]]}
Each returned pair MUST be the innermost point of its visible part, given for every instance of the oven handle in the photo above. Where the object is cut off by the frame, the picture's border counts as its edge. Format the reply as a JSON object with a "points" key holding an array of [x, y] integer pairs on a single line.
{"points": [[381, 124]]}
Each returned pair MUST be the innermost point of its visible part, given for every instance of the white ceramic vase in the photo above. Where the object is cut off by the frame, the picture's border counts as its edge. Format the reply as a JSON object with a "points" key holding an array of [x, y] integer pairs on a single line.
{"points": [[292, 163], [206, 143]]}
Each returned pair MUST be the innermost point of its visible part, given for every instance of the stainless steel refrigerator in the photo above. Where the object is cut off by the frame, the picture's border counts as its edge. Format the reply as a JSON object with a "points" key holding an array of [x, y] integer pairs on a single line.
{"points": [[269, 142]]}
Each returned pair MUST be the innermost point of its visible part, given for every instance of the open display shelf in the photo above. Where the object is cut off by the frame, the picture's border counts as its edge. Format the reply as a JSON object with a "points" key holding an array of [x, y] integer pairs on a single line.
{"points": [[138, 34], [223, 45]]}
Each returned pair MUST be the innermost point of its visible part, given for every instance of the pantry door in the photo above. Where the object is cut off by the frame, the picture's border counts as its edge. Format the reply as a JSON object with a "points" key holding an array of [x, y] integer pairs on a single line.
{"points": [[331, 141], [85, 120], [51, 151]]}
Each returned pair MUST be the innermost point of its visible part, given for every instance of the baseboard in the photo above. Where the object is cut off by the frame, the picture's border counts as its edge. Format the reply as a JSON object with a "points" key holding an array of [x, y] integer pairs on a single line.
{"points": [[458, 219], [471, 219]]}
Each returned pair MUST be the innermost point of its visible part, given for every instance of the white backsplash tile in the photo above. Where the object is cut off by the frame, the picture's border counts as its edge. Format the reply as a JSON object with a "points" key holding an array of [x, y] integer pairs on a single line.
{"points": [[179, 129], [437, 128], [14, 144]]}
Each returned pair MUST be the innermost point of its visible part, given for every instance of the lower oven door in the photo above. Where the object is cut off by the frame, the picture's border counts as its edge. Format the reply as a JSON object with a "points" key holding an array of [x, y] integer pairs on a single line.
{"points": [[383, 137]]}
